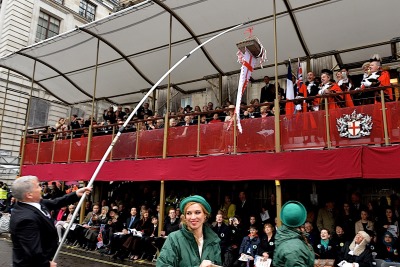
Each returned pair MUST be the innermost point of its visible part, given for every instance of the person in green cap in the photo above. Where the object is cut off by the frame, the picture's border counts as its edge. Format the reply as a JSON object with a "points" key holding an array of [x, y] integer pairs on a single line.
{"points": [[291, 247], [195, 244]]}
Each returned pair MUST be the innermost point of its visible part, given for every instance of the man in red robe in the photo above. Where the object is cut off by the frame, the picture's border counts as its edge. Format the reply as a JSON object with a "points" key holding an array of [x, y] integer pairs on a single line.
{"points": [[376, 78]]}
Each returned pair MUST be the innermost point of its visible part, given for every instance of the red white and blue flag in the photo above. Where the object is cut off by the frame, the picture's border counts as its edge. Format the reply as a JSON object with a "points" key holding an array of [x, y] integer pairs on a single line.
{"points": [[299, 75]]}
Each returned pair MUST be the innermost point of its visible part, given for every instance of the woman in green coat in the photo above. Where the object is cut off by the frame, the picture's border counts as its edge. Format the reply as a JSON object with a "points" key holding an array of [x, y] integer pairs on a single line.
{"points": [[195, 244], [291, 247]]}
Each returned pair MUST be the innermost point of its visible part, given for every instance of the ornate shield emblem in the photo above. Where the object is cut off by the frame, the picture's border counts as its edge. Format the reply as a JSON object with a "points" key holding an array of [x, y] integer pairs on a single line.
{"points": [[353, 128], [354, 125]]}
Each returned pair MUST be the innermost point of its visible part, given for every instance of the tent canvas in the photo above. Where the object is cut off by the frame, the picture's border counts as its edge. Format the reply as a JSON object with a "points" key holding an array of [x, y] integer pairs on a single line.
{"points": [[134, 43]]}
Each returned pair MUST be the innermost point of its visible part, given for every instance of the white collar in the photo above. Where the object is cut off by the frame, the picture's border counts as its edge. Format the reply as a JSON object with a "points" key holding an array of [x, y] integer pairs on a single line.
{"points": [[342, 81], [326, 85], [34, 204]]}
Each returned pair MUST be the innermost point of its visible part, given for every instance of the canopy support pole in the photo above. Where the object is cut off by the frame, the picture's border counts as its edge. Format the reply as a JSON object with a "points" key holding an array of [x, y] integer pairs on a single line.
{"points": [[38, 149], [384, 118], [198, 136], [27, 119], [277, 123], [137, 125], [166, 127], [53, 150], [70, 146], [328, 127], [112, 137], [4, 103], [234, 136], [89, 144], [220, 90], [154, 101]]}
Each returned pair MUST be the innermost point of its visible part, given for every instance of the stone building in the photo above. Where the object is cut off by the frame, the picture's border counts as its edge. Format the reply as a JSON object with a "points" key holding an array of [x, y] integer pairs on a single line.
{"points": [[24, 23]]}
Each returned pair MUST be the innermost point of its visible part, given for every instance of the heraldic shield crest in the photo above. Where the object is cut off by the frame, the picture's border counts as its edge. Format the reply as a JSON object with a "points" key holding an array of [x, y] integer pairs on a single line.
{"points": [[354, 125]]}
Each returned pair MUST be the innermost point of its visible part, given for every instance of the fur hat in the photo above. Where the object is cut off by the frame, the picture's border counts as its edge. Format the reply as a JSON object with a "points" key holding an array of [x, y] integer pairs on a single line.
{"points": [[327, 71], [375, 57], [387, 233]]}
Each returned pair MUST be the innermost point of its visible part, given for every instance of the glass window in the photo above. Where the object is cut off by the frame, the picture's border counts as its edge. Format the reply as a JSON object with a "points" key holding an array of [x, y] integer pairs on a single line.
{"points": [[87, 10], [59, 1], [38, 112], [47, 27]]}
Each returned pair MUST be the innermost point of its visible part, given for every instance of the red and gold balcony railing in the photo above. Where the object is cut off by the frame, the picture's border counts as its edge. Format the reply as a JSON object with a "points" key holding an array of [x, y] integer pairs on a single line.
{"points": [[307, 130]]}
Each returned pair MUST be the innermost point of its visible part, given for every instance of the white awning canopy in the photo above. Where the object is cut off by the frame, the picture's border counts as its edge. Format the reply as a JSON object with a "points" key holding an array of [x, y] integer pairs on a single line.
{"points": [[134, 43]]}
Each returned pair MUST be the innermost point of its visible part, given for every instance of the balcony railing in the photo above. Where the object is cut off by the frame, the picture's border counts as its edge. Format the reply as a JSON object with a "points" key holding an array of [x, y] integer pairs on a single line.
{"points": [[309, 130]]}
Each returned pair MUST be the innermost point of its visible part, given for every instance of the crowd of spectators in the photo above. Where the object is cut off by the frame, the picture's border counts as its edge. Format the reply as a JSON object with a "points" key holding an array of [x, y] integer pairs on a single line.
{"points": [[126, 226]]}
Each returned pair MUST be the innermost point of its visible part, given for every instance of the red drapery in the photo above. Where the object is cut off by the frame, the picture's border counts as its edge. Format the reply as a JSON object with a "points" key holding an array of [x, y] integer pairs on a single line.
{"points": [[357, 162]]}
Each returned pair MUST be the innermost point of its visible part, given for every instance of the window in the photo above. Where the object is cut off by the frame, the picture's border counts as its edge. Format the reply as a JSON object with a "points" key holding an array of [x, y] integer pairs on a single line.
{"points": [[59, 1], [38, 112], [47, 27], [78, 111], [87, 10]]}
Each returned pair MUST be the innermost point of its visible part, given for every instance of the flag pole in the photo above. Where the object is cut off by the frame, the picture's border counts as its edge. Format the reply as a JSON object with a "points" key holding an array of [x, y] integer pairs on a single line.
{"points": [[121, 129]]}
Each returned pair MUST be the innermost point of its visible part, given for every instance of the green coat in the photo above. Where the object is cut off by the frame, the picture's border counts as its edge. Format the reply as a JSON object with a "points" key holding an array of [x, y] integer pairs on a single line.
{"points": [[181, 250], [291, 250]]}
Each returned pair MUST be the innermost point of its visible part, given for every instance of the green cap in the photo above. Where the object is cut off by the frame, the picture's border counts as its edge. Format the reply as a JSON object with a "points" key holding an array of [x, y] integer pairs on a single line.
{"points": [[195, 198], [293, 214]]}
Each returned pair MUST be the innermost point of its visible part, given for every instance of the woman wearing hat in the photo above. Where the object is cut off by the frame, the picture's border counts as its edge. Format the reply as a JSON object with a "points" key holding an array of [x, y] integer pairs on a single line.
{"points": [[388, 248], [230, 113], [291, 247], [195, 244]]}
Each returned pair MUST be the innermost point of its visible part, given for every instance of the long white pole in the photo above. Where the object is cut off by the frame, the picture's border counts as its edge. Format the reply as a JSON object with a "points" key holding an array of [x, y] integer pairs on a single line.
{"points": [[121, 129]]}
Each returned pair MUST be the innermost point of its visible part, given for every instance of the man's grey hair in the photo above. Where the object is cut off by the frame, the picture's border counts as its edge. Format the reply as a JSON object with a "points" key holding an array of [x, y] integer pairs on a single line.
{"points": [[23, 185]]}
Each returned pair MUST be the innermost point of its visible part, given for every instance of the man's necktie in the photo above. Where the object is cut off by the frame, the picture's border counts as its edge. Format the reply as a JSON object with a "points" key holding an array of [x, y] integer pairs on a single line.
{"points": [[45, 211]]}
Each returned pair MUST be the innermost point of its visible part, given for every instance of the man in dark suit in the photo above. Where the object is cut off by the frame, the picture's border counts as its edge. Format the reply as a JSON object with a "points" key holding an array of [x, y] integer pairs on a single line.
{"points": [[223, 232], [33, 234], [133, 220], [267, 92], [171, 223], [244, 209], [117, 240], [75, 125]]}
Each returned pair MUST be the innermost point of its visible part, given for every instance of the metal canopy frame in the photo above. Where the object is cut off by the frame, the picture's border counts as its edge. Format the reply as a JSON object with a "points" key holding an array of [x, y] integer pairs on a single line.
{"points": [[194, 36]]}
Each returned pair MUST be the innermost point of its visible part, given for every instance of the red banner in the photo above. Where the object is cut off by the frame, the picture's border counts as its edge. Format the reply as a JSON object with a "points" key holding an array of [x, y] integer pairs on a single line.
{"points": [[381, 162], [311, 165]]}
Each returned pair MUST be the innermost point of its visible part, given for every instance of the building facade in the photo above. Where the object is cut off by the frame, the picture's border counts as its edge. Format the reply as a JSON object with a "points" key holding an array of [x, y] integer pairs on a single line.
{"points": [[24, 23]]}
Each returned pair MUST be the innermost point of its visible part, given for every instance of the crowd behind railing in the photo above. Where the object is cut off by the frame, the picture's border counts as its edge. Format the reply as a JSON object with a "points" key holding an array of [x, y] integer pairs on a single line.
{"points": [[76, 127], [309, 120], [126, 226]]}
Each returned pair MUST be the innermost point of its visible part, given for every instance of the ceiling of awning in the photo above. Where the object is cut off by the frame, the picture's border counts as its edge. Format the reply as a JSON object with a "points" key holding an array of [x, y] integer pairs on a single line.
{"points": [[134, 43]]}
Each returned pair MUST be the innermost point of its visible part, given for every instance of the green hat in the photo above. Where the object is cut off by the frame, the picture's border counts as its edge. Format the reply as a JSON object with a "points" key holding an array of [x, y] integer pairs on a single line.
{"points": [[293, 214], [195, 198]]}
